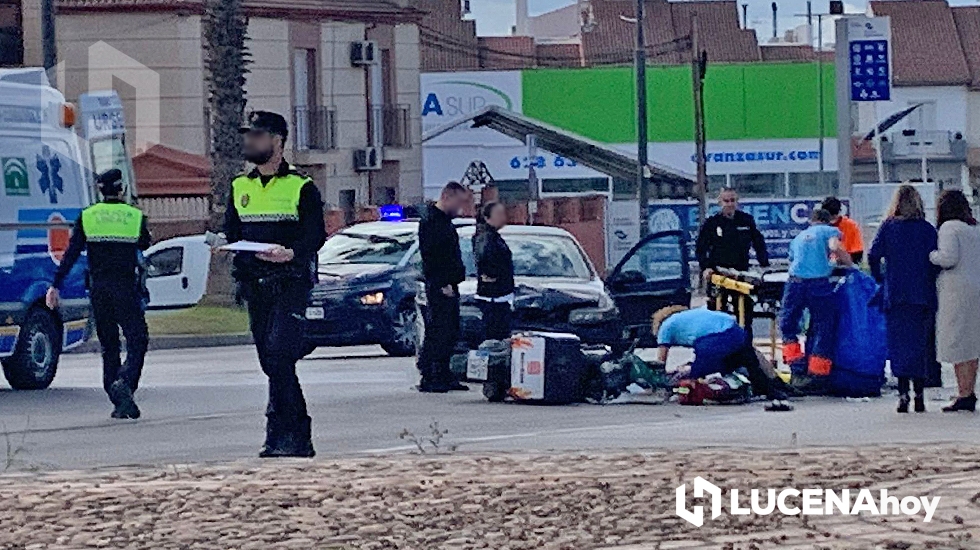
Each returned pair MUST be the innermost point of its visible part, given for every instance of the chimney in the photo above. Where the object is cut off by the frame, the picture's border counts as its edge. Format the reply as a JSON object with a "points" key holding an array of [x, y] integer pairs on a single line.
{"points": [[745, 16], [523, 18], [775, 27]]}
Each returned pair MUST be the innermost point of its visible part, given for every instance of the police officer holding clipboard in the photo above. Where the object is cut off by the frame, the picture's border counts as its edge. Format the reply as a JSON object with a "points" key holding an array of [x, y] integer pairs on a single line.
{"points": [[276, 205]]}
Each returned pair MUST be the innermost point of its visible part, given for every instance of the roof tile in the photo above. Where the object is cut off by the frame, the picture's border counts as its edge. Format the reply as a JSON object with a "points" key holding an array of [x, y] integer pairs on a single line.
{"points": [[927, 49], [967, 21]]}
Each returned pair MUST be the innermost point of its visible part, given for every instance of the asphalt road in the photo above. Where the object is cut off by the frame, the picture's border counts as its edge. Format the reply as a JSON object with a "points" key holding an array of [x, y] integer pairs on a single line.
{"points": [[207, 405]]}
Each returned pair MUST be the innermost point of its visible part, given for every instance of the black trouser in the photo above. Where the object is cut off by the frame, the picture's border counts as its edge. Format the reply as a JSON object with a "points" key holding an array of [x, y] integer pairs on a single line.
{"points": [[115, 305], [441, 335], [276, 311], [496, 320]]}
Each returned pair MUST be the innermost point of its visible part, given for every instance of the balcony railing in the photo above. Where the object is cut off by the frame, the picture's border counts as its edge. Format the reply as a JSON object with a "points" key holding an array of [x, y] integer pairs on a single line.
{"points": [[315, 128], [928, 144], [394, 121]]}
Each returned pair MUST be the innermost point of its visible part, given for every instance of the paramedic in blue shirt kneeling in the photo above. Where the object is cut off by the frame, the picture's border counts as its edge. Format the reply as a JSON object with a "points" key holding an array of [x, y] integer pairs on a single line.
{"points": [[720, 345]]}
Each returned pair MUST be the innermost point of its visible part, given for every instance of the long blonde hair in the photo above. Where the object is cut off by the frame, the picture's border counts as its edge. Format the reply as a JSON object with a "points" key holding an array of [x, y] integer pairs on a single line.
{"points": [[662, 314], [906, 204]]}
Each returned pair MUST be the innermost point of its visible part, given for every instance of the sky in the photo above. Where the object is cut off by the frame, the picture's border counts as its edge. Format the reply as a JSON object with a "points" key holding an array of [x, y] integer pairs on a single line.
{"points": [[496, 17]]}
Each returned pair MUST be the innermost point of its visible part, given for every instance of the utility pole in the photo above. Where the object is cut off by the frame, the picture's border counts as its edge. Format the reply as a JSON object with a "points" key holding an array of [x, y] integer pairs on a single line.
{"points": [[817, 50], [641, 121], [699, 62], [48, 37], [820, 126]]}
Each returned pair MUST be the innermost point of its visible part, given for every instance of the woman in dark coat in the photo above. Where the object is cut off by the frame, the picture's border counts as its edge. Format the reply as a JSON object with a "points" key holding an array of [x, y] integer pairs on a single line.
{"points": [[494, 271], [903, 244]]}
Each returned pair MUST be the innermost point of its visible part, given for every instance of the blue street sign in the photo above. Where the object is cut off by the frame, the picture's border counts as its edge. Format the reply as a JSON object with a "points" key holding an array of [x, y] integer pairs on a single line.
{"points": [[870, 78]]}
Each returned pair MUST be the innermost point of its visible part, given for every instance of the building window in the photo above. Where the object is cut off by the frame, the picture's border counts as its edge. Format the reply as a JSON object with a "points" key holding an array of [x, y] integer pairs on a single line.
{"points": [[305, 103], [809, 184], [923, 119], [348, 202], [759, 185], [11, 34], [716, 183]]}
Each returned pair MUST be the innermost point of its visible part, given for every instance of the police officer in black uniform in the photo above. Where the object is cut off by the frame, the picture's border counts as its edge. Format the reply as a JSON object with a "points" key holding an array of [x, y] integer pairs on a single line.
{"points": [[113, 232], [726, 237], [276, 204]]}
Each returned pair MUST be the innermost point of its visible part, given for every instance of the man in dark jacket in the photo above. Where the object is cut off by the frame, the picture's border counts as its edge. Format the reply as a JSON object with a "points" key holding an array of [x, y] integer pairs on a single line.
{"points": [[442, 267], [494, 272], [726, 238]]}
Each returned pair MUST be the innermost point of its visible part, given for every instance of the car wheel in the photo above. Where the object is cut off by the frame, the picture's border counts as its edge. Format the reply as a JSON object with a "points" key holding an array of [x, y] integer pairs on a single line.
{"points": [[404, 330], [35, 359]]}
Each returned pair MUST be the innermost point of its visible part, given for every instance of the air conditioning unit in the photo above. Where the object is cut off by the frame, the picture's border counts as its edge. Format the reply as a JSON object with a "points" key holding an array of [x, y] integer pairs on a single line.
{"points": [[367, 159], [363, 53]]}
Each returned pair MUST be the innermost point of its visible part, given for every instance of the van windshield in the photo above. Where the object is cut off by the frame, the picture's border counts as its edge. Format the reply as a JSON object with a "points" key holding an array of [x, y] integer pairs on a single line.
{"points": [[109, 153]]}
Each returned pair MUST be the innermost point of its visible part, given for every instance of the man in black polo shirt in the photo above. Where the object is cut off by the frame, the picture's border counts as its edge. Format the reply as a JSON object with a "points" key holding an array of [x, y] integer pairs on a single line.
{"points": [[726, 238], [442, 267]]}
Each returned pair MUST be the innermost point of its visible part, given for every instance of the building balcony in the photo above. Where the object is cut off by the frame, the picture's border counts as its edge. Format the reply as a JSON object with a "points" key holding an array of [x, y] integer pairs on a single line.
{"points": [[394, 123], [314, 129], [913, 145]]}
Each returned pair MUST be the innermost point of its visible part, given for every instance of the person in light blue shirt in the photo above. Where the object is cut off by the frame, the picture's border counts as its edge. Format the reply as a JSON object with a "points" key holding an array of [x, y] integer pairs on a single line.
{"points": [[812, 255], [720, 345]]}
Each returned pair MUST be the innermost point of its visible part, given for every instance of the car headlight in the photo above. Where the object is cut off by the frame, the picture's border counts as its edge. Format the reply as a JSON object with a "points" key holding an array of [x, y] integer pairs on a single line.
{"points": [[593, 315], [373, 299]]}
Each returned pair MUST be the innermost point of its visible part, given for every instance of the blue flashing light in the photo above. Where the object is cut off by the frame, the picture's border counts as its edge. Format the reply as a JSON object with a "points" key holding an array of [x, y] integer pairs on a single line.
{"points": [[391, 213]]}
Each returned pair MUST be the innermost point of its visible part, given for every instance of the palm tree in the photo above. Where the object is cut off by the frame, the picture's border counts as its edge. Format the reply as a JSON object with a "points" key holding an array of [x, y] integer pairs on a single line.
{"points": [[226, 61]]}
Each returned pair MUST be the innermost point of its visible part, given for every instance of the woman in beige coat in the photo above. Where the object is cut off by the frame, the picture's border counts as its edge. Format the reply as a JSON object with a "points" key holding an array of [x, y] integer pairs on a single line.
{"points": [[958, 322]]}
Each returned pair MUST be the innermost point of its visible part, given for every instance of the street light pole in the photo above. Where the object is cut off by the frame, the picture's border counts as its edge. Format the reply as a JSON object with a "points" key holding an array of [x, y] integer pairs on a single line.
{"points": [[641, 121]]}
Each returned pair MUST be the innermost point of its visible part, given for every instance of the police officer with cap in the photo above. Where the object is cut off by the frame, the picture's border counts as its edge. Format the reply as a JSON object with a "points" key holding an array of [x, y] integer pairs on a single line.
{"points": [[276, 204], [113, 232]]}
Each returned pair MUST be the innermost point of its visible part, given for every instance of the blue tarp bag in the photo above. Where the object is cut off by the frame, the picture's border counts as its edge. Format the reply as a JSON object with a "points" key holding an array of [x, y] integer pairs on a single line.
{"points": [[859, 368]]}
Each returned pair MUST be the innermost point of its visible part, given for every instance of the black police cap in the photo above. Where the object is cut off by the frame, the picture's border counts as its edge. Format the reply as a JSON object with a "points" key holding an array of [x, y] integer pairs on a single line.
{"points": [[265, 121], [110, 181]]}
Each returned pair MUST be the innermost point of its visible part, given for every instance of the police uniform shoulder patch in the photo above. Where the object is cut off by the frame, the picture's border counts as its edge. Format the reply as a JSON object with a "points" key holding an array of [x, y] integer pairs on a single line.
{"points": [[245, 200]]}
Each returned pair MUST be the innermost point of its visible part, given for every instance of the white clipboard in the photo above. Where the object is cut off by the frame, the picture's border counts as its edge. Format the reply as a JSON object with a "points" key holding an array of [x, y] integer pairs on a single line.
{"points": [[247, 246]]}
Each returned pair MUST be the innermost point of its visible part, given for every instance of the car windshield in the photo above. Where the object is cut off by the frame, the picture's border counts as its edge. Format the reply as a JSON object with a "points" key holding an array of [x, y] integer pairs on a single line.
{"points": [[362, 248], [537, 256]]}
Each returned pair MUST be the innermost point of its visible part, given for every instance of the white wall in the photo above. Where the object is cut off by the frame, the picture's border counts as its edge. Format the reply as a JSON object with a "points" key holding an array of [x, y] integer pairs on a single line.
{"points": [[160, 57], [951, 107]]}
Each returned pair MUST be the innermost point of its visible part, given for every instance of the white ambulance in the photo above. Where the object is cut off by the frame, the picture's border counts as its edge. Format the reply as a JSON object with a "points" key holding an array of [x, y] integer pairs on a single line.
{"points": [[47, 180]]}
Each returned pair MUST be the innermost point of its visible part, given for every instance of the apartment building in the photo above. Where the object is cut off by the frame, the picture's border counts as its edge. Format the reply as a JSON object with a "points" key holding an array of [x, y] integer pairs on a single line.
{"points": [[345, 72]]}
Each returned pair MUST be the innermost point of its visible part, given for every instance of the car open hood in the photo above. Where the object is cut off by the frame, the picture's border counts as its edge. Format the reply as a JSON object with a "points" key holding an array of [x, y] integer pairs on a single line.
{"points": [[339, 275], [549, 294]]}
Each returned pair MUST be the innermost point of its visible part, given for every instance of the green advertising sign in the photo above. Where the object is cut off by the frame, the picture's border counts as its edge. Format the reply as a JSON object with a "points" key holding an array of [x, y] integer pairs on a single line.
{"points": [[15, 177], [747, 101]]}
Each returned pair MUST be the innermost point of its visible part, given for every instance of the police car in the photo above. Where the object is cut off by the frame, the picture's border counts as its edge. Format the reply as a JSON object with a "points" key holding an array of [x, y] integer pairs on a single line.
{"points": [[47, 181]]}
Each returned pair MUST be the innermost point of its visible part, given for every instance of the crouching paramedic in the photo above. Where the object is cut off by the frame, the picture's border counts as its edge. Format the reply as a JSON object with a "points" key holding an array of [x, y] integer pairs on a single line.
{"points": [[720, 346], [113, 232], [812, 255]]}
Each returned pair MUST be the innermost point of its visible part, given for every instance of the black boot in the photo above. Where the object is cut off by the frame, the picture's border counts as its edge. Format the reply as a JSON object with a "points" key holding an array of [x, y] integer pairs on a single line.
{"points": [[903, 403], [283, 442], [121, 396], [920, 403], [273, 440], [966, 404]]}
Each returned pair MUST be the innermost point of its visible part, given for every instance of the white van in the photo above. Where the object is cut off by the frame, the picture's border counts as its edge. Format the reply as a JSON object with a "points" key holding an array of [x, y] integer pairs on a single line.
{"points": [[47, 181]]}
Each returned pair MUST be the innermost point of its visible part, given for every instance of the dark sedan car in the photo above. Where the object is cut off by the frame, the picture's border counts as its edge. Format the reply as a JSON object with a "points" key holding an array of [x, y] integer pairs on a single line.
{"points": [[558, 289], [365, 295]]}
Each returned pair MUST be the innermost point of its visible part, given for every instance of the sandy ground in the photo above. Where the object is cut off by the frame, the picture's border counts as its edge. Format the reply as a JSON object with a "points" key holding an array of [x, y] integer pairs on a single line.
{"points": [[496, 501]]}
